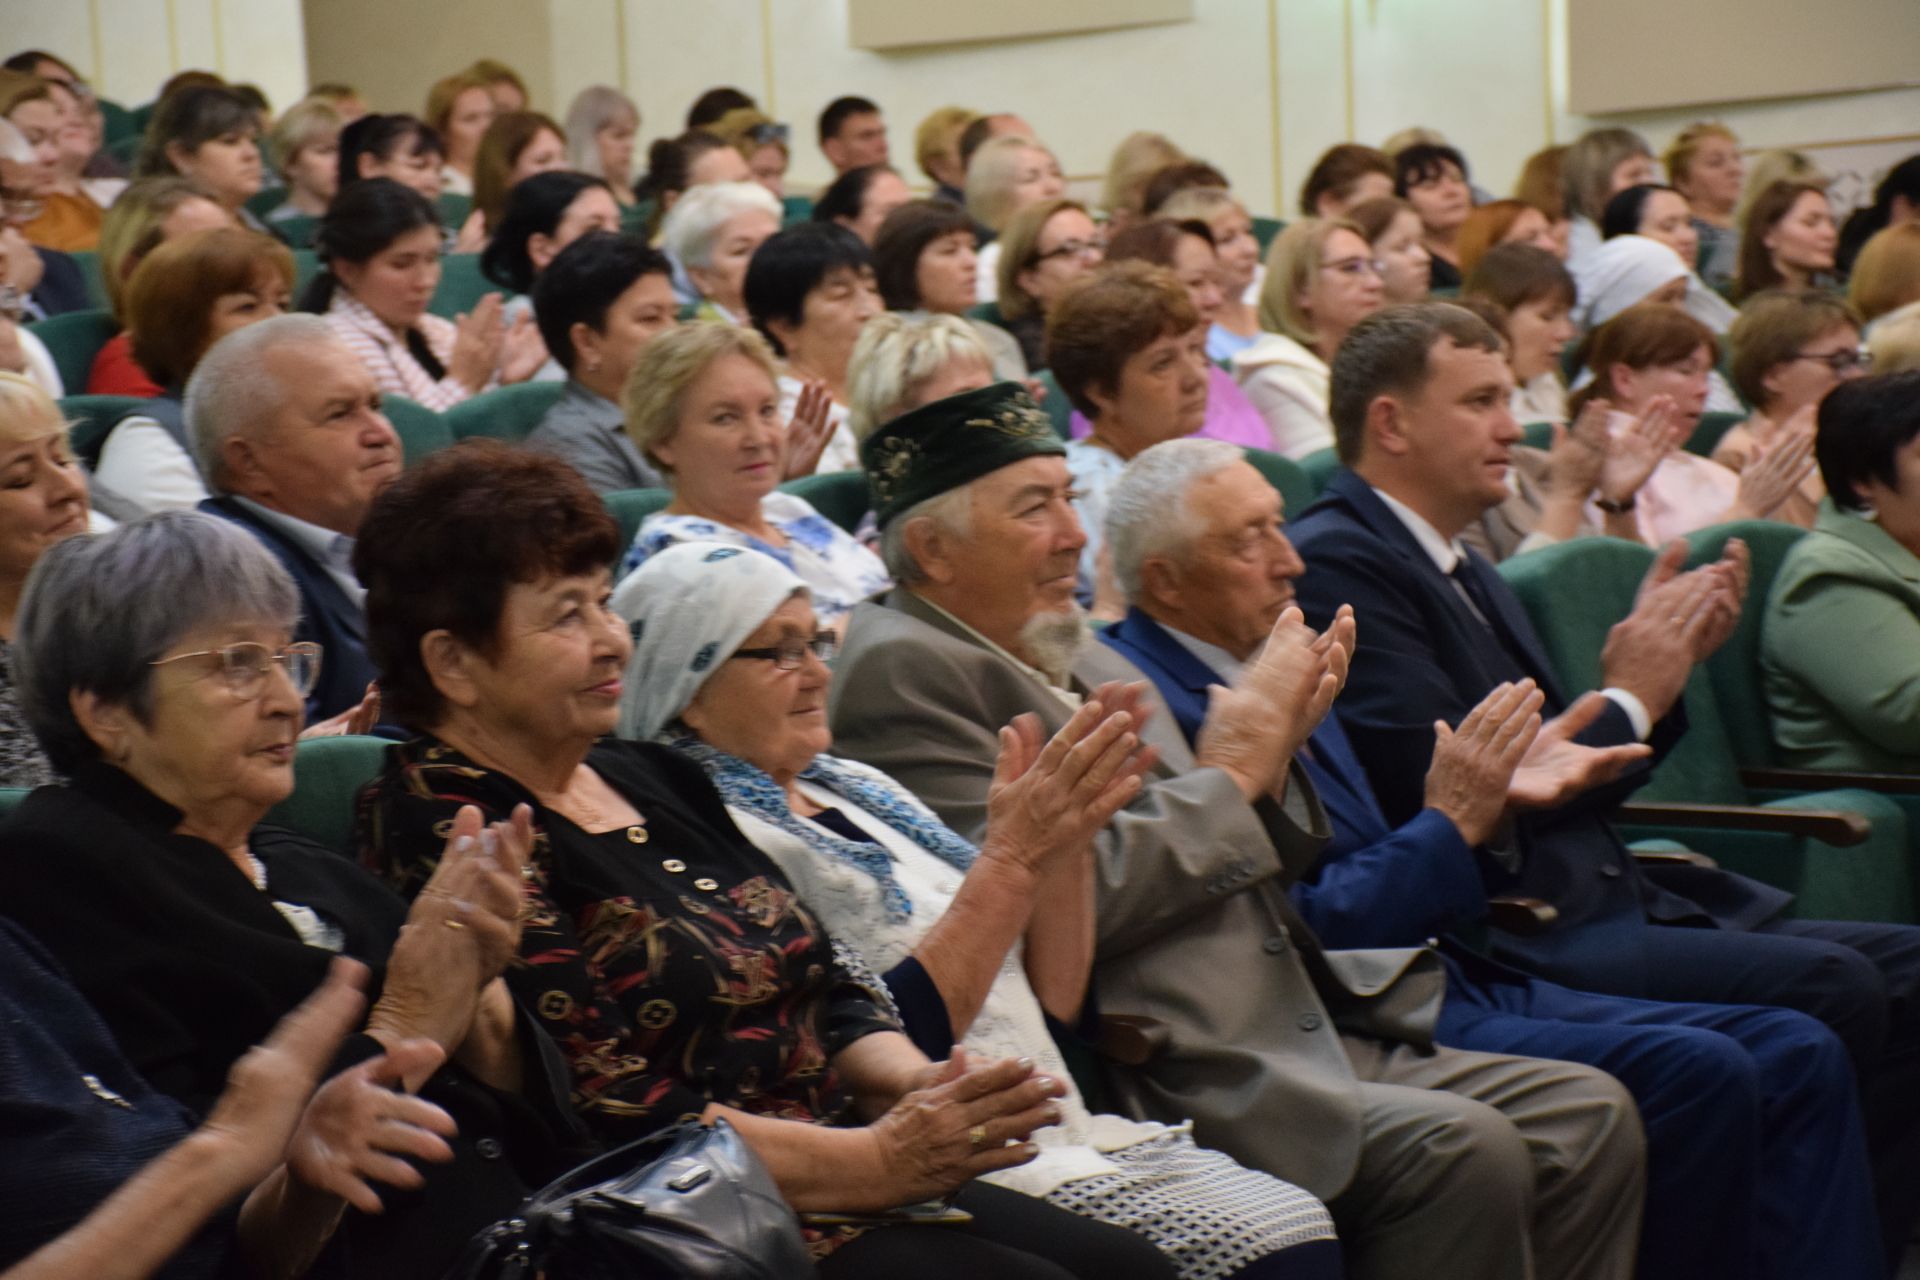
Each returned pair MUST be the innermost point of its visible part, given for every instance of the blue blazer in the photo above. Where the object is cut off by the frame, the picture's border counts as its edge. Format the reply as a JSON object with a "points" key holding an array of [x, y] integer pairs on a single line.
{"points": [[327, 616], [62, 287], [1425, 656], [1375, 885]]}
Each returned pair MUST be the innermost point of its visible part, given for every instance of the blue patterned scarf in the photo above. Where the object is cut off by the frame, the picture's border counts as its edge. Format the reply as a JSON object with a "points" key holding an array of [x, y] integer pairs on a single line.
{"points": [[746, 786]]}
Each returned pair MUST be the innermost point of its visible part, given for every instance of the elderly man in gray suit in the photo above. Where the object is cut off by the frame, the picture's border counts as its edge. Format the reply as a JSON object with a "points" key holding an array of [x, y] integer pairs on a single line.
{"points": [[1317, 1066]]}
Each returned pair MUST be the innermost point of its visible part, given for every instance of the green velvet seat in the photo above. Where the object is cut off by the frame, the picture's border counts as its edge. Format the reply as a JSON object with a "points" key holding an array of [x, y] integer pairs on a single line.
{"points": [[461, 285], [10, 798], [1711, 428], [1296, 488], [795, 209], [1573, 593], [1265, 229], [92, 417], [266, 200], [421, 430], [1539, 435], [327, 774], [297, 232], [987, 311], [454, 210], [306, 265], [1320, 466], [89, 263], [840, 496], [73, 340], [1059, 408], [504, 413]]}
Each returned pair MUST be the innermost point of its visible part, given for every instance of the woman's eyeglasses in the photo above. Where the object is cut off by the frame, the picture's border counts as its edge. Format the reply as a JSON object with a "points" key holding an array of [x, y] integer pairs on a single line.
{"points": [[791, 652], [1073, 249], [1841, 362], [1356, 267], [244, 666]]}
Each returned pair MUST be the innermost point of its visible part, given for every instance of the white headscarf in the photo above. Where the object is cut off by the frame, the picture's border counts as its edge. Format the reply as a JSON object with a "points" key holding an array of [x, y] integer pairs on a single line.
{"points": [[1621, 272], [690, 607]]}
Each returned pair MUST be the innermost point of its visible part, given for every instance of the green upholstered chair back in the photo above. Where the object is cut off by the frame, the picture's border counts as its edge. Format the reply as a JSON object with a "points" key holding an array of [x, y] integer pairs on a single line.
{"points": [[1539, 435], [266, 200], [461, 285], [89, 263], [421, 430], [73, 340], [795, 209], [327, 772], [1735, 670], [297, 232], [1264, 230], [453, 209], [306, 265], [10, 798], [840, 496], [1711, 427], [1320, 466], [92, 417], [629, 507], [987, 311], [504, 413], [117, 122], [1296, 489], [1059, 408]]}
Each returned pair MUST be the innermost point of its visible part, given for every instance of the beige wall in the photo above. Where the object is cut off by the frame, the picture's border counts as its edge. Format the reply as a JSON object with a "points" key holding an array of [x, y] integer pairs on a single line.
{"points": [[1260, 87]]}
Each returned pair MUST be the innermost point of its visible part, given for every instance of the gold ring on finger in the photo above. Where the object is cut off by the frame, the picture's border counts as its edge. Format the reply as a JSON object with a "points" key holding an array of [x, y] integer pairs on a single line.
{"points": [[454, 924], [977, 1137]]}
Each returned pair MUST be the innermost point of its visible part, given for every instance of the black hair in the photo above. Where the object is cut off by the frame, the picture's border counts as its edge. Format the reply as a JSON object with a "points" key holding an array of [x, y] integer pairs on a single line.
{"points": [[1901, 180], [584, 280], [382, 137], [1423, 162], [1622, 214], [192, 117], [254, 96], [670, 167], [839, 111], [1863, 423], [535, 206], [714, 103], [900, 241], [847, 195], [790, 265], [364, 219]]}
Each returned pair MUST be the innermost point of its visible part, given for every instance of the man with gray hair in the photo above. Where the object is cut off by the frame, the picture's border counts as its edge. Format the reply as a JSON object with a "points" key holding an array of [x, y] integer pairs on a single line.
{"points": [[1222, 1006], [287, 429], [1199, 548]]}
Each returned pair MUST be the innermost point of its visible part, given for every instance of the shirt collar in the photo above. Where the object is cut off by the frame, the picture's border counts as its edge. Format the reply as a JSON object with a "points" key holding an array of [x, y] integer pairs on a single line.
{"points": [[1217, 660], [1065, 695], [1446, 553], [329, 546]]}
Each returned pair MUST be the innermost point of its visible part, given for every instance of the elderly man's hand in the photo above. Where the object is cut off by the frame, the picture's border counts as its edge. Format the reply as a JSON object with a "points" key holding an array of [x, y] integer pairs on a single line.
{"points": [[1555, 768], [1473, 765], [1049, 801], [1253, 729]]}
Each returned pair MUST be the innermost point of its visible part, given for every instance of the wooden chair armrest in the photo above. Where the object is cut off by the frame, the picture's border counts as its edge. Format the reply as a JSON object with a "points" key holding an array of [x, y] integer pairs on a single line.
{"points": [[1131, 1039], [1523, 916], [1898, 784], [1673, 858], [1833, 826]]}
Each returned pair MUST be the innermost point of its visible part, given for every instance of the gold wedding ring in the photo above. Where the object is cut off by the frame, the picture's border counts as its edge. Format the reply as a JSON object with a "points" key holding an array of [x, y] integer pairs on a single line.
{"points": [[977, 1137], [454, 924]]}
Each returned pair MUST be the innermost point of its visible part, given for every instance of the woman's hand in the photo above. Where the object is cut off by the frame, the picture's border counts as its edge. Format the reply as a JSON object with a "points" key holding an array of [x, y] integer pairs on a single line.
{"points": [[477, 339], [357, 1128], [1634, 452], [1775, 472], [969, 1120], [808, 430], [1053, 799], [20, 266], [522, 353], [462, 930], [1579, 449], [357, 719]]}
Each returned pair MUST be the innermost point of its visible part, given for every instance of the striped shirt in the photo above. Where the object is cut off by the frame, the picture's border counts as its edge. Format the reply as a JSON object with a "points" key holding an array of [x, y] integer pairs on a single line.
{"points": [[386, 357]]}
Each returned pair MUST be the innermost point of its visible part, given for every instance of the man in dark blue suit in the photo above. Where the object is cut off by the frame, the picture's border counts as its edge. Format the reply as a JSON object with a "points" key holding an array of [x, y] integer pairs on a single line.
{"points": [[1757, 1164], [287, 429], [1419, 404]]}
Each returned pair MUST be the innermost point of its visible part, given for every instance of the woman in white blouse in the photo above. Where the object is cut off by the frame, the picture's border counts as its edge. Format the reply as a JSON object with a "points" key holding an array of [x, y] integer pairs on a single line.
{"points": [[380, 247]]}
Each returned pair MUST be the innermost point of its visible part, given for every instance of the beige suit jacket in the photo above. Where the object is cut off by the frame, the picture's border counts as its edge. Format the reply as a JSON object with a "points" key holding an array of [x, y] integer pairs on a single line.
{"points": [[1195, 930]]}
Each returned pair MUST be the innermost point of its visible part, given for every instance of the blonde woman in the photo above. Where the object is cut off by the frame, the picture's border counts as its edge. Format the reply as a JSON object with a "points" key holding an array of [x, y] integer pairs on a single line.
{"points": [[1236, 325], [459, 109], [1006, 175], [1705, 166], [936, 149], [305, 149], [1321, 281], [1138, 157]]}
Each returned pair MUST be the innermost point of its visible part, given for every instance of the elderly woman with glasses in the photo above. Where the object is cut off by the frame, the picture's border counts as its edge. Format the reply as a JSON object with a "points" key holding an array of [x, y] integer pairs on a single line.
{"points": [[155, 668], [1321, 281], [989, 947], [669, 959]]}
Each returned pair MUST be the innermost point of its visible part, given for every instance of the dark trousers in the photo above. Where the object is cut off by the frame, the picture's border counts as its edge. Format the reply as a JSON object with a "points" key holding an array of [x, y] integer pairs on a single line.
{"points": [[1756, 1161], [1862, 980]]}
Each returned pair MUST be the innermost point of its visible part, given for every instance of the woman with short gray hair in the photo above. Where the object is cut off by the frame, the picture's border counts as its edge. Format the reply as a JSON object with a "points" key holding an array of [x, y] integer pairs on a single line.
{"points": [[156, 668], [712, 232]]}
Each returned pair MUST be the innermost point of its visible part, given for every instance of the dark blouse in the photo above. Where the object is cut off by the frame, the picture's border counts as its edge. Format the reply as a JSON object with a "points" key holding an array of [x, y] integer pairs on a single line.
{"points": [[671, 960]]}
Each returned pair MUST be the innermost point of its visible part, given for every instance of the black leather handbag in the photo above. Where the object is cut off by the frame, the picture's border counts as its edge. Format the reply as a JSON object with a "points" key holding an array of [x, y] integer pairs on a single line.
{"points": [[691, 1202]]}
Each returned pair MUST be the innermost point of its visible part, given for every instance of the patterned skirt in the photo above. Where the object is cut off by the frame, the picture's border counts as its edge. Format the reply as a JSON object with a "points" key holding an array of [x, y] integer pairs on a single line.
{"points": [[1208, 1214]]}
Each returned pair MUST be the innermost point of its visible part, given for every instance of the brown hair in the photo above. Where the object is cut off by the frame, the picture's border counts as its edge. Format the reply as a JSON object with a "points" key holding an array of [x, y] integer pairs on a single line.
{"points": [[133, 226], [1156, 240], [1646, 335], [1337, 173], [1019, 245], [1770, 330], [1886, 274], [444, 542], [1586, 171], [1293, 260], [1486, 226], [169, 303], [1512, 275], [1135, 161], [1374, 217], [1108, 317], [1679, 155], [1175, 178], [445, 92], [1391, 353], [900, 241], [1757, 271], [500, 148], [1540, 183]]}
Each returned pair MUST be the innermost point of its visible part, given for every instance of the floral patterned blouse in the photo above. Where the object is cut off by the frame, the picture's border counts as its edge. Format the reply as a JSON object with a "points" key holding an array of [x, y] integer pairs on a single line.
{"points": [[837, 569], [671, 960]]}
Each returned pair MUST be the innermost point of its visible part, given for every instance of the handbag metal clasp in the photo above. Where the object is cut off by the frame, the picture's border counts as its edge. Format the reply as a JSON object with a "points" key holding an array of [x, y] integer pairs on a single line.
{"points": [[690, 1179]]}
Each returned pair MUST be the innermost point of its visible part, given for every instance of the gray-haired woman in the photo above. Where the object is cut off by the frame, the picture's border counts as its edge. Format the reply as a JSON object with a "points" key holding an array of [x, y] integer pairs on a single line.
{"points": [[983, 947], [155, 666]]}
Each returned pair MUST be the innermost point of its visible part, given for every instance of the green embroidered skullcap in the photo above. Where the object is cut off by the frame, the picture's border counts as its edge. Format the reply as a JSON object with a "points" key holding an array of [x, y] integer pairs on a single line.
{"points": [[943, 445]]}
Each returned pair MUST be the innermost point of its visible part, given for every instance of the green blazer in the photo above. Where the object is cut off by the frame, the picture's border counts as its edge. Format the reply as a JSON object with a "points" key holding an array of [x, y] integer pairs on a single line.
{"points": [[1840, 649]]}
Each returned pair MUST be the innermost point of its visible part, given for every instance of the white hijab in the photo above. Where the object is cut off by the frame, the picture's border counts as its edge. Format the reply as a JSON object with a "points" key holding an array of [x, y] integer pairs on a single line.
{"points": [[1621, 272]]}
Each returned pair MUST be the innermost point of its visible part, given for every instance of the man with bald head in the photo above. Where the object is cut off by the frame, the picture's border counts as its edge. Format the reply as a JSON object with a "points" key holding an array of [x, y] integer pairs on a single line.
{"points": [[287, 429]]}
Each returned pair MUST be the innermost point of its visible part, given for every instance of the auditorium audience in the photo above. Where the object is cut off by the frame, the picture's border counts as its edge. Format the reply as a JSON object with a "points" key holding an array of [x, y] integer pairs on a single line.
{"points": [[1533, 289], [903, 361], [601, 124], [809, 291], [677, 165], [1599, 164], [516, 145], [512, 675], [1005, 176], [1896, 202], [545, 214], [1895, 343], [926, 261], [187, 295], [157, 668], [1394, 232], [860, 199], [1787, 239], [150, 212], [1344, 177], [712, 233], [1433, 179], [211, 135], [761, 142], [1704, 164], [1787, 350], [703, 405], [459, 109], [68, 218], [304, 149], [946, 921], [1237, 325], [1885, 284], [714, 103], [936, 149], [392, 146], [1135, 160], [1500, 222], [1852, 577], [1542, 184], [1044, 249], [852, 135], [1661, 213], [1321, 281], [603, 299], [379, 248]]}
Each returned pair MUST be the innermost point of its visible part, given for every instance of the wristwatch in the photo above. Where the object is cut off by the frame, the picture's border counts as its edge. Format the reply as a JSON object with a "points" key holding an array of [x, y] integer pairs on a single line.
{"points": [[1613, 508]]}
